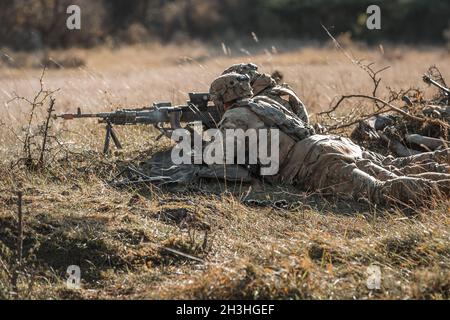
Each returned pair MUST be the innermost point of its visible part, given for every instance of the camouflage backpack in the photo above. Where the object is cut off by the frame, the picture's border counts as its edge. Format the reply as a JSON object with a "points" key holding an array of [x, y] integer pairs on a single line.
{"points": [[276, 115]]}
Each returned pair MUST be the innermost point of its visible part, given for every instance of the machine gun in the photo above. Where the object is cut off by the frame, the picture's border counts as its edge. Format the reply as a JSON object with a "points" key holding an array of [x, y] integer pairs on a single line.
{"points": [[197, 108]]}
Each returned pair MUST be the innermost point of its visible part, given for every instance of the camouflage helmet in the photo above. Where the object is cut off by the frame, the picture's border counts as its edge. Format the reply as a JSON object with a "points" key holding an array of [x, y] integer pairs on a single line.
{"points": [[262, 82], [230, 87], [249, 69]]}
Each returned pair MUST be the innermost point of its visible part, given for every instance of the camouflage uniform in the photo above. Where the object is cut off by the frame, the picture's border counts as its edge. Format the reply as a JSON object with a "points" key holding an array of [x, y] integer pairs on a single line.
{"points": [[423, 164], [334, 164], [265, 85]]}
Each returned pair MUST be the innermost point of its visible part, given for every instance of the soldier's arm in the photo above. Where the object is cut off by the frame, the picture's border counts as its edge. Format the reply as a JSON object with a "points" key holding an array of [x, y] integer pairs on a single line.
{"points": [[238, 118]]}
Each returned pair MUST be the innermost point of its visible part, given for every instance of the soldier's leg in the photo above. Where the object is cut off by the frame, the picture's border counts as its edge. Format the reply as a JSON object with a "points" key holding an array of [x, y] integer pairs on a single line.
{"points": [[440, 157], [375, 157], [412, 191], [347, 179], [375, 170], [422, 163], [433, 176], [417, 182], [433, 167]]}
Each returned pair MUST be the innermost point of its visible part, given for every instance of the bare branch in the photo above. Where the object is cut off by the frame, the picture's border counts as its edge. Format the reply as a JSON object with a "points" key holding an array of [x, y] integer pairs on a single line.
{"points": [[46, 128], [5, 268], [386, 104], [368, 68]]}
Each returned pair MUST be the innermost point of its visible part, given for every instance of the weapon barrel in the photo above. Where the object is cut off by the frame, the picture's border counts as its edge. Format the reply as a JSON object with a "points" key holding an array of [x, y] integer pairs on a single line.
{"points": [[70, 116], [80, 115], [428, 80]]}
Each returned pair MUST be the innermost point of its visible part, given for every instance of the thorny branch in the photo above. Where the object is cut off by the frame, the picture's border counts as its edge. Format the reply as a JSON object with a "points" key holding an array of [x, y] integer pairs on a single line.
{"points": [[385, 104], [19, 248], [46, 128], [368, 68], [382, 105], [37, 102]]}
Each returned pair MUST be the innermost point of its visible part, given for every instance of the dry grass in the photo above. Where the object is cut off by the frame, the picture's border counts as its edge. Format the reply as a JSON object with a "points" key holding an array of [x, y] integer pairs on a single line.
{"points": [[318, 250]]}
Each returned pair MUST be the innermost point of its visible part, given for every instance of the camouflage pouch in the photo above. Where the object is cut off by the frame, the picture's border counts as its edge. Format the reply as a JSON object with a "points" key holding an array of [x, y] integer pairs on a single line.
{"points": [[277, 116]]}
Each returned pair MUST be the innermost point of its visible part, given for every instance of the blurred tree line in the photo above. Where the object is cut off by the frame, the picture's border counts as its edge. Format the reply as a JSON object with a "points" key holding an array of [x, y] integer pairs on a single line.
{"points": [[35, 24]]}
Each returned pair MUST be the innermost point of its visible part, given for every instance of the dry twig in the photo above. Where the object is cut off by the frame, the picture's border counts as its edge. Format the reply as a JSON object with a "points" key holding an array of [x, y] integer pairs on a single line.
{"points": [[19, 247], [45, 131], [38, 101]]}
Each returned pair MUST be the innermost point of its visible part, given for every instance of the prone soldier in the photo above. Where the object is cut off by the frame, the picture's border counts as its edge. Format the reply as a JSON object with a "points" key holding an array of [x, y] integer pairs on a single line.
{"points": [[326, 163]]}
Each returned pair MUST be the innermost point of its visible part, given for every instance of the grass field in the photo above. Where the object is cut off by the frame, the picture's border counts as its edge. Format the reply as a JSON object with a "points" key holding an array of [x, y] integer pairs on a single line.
{"points": [[319, 249]]}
